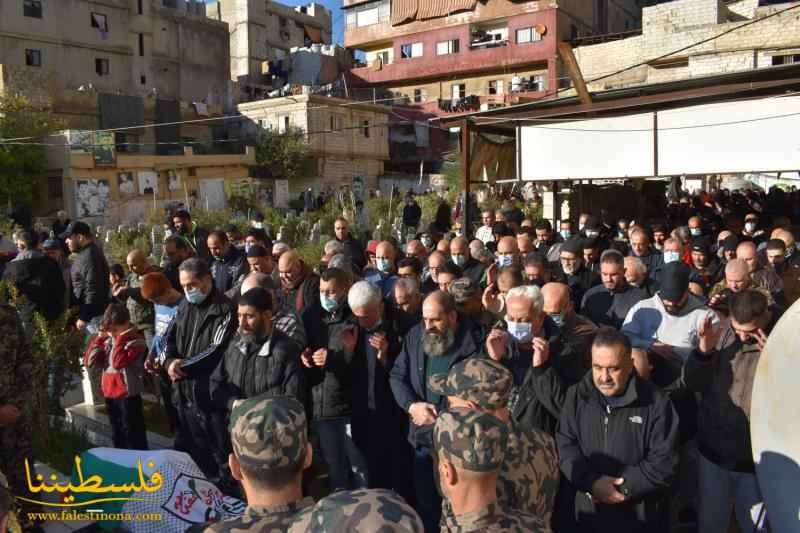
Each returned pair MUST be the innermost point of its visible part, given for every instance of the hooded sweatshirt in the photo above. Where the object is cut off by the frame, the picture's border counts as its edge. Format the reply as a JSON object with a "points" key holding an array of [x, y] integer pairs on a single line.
{"points": [[648, 322]]}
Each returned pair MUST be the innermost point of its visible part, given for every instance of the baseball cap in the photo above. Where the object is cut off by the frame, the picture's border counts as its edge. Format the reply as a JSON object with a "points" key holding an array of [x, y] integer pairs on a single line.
{"points": [[573, 246], [730, 243], [269, 432], [78, 228], [674, 281], [463, 290], [701, 245], [483, 381], [471, 440], [359, 511]]}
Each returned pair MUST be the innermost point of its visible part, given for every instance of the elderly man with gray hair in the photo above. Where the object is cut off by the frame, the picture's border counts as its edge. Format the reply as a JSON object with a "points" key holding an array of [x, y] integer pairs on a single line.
{"points": [[379, 424]]}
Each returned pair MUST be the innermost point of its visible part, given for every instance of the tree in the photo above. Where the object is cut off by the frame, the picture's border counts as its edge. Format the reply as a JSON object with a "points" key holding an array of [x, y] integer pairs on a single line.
{"points": [[20, 164], [284, 155]]}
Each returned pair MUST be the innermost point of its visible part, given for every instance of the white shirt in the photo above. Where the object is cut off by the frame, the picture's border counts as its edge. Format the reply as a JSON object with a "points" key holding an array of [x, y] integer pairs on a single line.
{"points": [[484, 234]]}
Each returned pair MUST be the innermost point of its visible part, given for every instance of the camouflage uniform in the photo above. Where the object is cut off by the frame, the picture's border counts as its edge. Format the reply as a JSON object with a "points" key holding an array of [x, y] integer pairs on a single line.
{"points": [[476, 441], [15, 373], [267, 432], [359, 511], [529, 475]]}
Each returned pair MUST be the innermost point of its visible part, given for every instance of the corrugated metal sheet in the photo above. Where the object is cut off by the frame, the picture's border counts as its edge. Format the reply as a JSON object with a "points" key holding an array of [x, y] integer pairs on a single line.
{"points": [[404, 11], [431, 9]]}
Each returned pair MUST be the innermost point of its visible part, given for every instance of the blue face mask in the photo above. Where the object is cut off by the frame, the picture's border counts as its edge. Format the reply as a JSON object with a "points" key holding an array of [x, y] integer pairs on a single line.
{"points": [[384, 265], [671, 256], [328, 304], [565, 234], [195, 296], [521, 331], [558, 319], [459, 260], [427, 242], [504, 260]]}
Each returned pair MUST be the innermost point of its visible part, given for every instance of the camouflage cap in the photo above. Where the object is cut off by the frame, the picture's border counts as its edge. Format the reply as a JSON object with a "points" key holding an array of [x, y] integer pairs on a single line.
{"points": [[462, 290], [359, 511], [472, 440], [269, 432], [483, 381]]}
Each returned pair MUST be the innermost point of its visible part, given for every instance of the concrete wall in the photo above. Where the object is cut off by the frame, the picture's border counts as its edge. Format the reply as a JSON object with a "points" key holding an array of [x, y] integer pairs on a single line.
{"points": [[185, 55], [673, 25]]}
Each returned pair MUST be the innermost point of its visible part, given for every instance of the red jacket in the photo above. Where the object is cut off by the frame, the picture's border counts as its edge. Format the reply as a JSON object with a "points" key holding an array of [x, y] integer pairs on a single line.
{"points": [[122, 361]]}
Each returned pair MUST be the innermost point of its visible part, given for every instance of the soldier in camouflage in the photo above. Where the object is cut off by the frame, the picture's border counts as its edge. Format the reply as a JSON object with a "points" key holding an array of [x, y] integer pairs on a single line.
{"points": [[15, 407], [270, 452], [359, 511], [471, 446], [529, 475]]}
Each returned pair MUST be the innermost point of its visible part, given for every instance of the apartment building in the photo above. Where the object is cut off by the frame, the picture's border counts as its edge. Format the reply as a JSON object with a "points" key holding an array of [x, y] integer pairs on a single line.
{"points": [[163, 48], [347, 139], [455, 56], [262, 34], [670, 26]]}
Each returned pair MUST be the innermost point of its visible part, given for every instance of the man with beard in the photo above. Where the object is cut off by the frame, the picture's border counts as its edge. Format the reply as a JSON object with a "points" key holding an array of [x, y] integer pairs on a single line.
{"points": [[667, 324], [703, 263], [284, 318], [591, 254], [546, 242], [608, 304], [761, 276], [176, 251], [193, 234], [229, 263], [790, 268], [617, 439], [260, 359], [299, 285], [90, 283], [573, 272], [407, 306], [660, 234], [329, 365], [467, 296], [524, 349], [195, 342], [537, 270], [432, 347], [379, 424], [722, 370], [460, 255]]}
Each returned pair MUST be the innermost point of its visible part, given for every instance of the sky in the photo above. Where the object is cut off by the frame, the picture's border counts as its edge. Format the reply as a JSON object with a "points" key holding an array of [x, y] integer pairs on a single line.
{"points": [[336, 14]]}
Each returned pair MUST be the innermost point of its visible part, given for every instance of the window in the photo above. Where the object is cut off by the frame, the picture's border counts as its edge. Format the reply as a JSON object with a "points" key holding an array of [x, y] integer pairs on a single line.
{"points": [[283, 124], [496, 86], [170, 3], [365, 126], [282, 22], [101, 66], [785, 59], [538, 82], [33, 58], [368, 14], [528, 35], [141, 44], [420, 95], [32, 8], [143, 79], [459, 91], [383, 57], [411, 50], [139, 7], [447, 47], [99, 21]]}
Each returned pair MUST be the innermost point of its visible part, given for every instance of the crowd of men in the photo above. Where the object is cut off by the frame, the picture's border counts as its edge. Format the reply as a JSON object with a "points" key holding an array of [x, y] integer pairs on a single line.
{"points": [[595, 377]]}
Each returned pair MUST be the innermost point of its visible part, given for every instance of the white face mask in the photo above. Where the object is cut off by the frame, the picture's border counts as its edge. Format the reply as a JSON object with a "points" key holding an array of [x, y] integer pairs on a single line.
{"points": [[671, 256], [696, 232], [591, 234], [750, 227], [521, 331]]}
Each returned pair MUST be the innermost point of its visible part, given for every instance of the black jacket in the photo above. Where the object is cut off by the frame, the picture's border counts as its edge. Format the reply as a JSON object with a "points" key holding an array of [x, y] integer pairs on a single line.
{"points": [[90, 283], [250, 369], [355, 252], [541, 395], [232, 267], [407, 377], [331, 386], [39, 279], [636, 440], [198, 241], [412, 213], [199, 336], [578, 283], [305, 297], [473, 269], [606, 308]]}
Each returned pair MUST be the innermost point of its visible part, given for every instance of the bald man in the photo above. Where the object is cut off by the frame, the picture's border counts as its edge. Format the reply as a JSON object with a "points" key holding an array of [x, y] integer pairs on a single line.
{"points": [[461, 255], [299, 285], [573, 332], [790, 273], [416, 249], [129, 292], [762, 276], [507, 253], [385, 275]]}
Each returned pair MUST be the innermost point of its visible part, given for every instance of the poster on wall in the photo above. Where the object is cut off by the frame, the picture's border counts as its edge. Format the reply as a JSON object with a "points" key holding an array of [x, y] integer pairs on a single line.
{"points": [[282, 193], [212, 194], [173, 181], [148, 182], [80, 141], [104, 149], [126, 184], [92, 197]]}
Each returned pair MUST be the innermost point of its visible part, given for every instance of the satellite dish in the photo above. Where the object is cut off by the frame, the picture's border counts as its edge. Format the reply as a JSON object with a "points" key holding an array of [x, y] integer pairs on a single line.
{"points": [[774, 430]]}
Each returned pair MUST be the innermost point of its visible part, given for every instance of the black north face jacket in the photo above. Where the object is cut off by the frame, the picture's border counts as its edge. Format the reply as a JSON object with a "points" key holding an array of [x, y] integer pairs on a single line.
{"points": [[636, 440]]}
